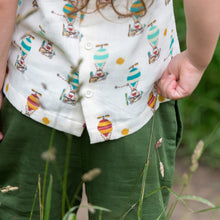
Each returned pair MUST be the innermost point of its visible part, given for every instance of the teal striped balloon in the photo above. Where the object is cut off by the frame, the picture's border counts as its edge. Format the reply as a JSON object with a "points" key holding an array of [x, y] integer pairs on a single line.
{"points": [[67, 9], [133, 76], [171, 43], [137, 8], [101, 57], [26, 46], [153, 35], [74, 80]]}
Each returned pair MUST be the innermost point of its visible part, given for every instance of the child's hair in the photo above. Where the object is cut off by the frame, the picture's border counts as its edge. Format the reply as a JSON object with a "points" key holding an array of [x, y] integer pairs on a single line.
{"points": [[79, 5]]}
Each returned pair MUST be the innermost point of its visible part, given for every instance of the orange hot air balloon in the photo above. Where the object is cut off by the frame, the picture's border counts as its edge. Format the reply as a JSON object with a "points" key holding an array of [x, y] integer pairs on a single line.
{"points": [[33, 102], [68, 9], [152, 100], [105, 127]]}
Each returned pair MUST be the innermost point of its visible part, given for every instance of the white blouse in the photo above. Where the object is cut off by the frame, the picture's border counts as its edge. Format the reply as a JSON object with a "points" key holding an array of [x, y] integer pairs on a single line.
{"points": [[90, 69]]}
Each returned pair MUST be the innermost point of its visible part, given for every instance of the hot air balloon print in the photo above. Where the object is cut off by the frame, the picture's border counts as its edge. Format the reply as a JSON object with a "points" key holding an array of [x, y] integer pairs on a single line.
{"points": [[138, 10], [46, 49], [69, 30], [25, 48], [100, 58], [69, 95], [153, 39], [46, 46], [33, 102], [152, 100], [132, 82], [105, 127], [153, 96], [68, 10], [170, 47]]}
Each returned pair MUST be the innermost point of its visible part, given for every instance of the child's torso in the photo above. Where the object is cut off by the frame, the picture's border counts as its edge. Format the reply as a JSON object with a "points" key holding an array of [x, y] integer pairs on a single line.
{"points": [[112, 90]]}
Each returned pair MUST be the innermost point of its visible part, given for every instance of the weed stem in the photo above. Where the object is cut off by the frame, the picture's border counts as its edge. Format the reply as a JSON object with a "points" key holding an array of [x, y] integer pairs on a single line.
{"points": [[68, 150], [46, 171]]}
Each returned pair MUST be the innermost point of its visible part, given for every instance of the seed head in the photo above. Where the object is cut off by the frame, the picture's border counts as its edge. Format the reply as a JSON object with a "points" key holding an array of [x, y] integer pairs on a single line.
{"points": [[194, 167], [159, 143], [49, 155], [13, 188], [89, 176], [9, 188], [161, 169], [4, 190], [197, 152], [196, 156], [185, 179]]}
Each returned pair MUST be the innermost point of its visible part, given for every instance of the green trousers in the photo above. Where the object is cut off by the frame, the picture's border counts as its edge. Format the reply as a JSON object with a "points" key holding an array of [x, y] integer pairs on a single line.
{"points": [[121, 162]]}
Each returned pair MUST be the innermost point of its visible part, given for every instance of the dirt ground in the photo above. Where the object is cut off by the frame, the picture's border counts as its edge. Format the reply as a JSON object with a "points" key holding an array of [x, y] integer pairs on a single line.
{"points": [[205, 183]]}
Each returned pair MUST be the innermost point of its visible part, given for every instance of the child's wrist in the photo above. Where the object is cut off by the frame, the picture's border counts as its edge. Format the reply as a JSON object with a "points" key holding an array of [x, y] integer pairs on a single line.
{"points": [[195, 61]]}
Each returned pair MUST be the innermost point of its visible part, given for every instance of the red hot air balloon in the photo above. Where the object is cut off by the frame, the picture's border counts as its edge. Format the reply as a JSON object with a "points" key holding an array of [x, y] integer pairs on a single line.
{"points": [[105, 127]]}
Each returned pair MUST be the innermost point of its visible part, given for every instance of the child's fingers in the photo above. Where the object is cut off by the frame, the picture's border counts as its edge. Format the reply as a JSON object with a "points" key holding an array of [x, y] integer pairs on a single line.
{"points": [[171, 88], [166, 84], [176, 92]]}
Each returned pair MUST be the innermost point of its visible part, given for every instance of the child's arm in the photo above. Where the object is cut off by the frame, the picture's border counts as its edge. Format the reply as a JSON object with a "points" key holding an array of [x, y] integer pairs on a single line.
{"points": [[186, 69], [7, 21]]}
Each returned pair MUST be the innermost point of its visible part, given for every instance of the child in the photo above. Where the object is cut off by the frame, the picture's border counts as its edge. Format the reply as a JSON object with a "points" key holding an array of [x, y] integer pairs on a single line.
{"points": [[85, 64]]}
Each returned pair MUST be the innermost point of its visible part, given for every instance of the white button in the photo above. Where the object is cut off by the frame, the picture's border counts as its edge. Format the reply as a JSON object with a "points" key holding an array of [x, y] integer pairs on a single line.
{"points": [[88, 45], [89, 93]]}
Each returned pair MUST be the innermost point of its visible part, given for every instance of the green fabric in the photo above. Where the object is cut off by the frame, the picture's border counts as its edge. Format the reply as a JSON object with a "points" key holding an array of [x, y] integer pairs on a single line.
{"points": [[121, 162]]}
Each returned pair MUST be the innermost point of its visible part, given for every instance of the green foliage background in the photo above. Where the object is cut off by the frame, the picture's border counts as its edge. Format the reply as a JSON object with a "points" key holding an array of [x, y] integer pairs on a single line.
{"points": [[201, 111]]}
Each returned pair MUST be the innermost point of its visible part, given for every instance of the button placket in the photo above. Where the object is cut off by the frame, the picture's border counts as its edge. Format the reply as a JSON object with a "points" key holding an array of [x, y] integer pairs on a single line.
{"points": [[88, 45], [88, 93]]}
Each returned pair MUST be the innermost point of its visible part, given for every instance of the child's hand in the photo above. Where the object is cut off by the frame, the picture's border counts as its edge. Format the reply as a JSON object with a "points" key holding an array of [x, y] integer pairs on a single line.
{"points": [[180, 78], [1, 99]]}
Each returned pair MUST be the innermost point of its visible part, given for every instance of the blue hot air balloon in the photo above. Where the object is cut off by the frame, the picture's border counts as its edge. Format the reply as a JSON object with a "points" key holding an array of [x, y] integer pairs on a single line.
{"points": [[74, 81], [67, 9], [101, 57], [26, 46], [133, 77], [153, 35], [137, 8]]}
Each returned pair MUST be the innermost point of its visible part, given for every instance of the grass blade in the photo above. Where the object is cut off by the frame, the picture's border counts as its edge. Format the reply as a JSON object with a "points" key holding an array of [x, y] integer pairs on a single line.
{"points": [[46, 170], [68, 215], [126, 213], [213, 214], [71, 216], [48, 199], [40, 201], [139, 212], [100, 215], [67, 160], [216, 208], [35, 197], [97, 208], [198, 199], [159, 217]]}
